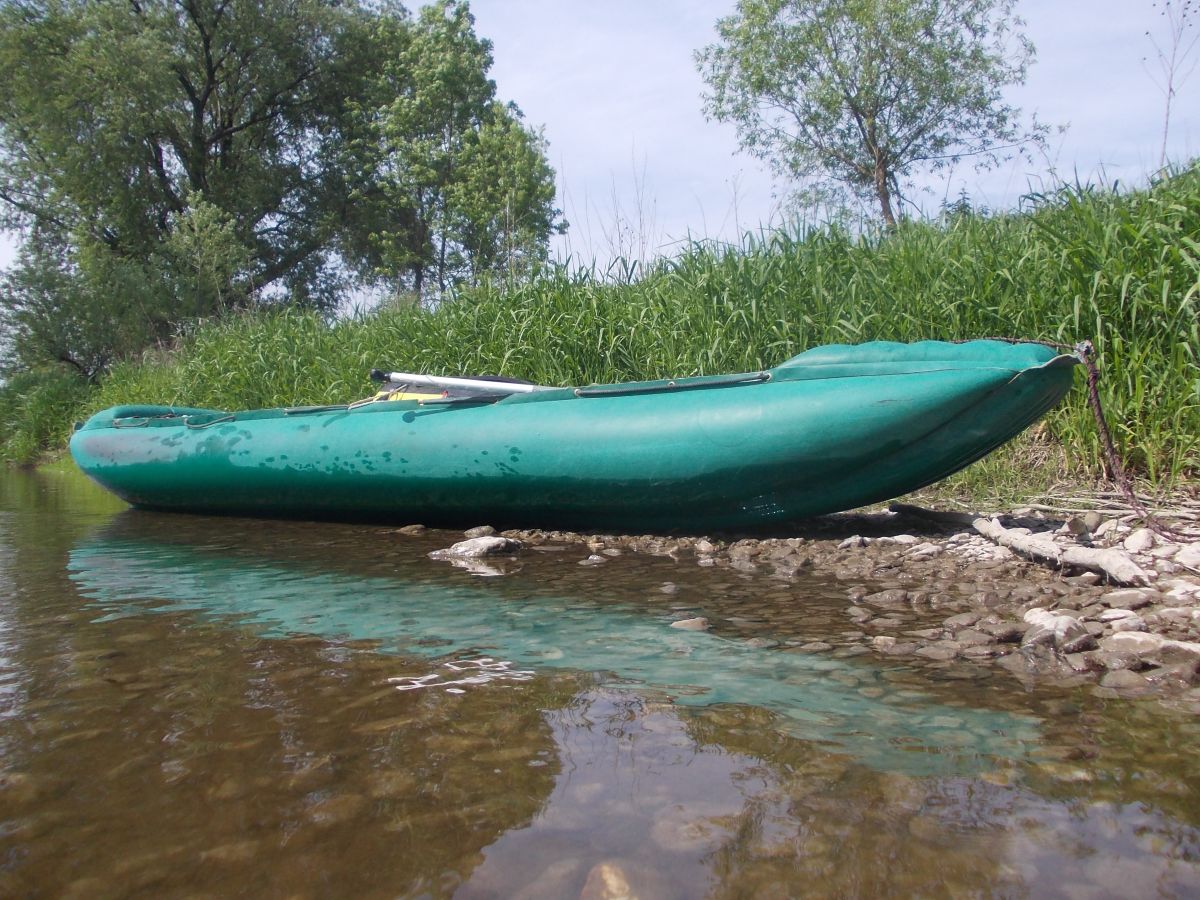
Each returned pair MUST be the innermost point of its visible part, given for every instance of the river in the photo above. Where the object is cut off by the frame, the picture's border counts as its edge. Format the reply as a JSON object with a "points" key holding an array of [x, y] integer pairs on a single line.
{"points": [[194, 706]]}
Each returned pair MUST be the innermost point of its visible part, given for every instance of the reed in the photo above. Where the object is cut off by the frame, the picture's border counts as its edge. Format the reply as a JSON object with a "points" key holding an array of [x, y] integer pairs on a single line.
{"points": [[1120, 268]]}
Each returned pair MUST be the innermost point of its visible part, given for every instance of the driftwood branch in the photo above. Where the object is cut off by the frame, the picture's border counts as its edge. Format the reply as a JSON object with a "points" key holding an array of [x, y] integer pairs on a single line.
{"points": [[1115, 565]]}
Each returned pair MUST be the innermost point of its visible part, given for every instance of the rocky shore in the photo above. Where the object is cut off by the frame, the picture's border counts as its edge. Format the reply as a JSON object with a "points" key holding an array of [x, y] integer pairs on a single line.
{"points": [[1085, 599]]}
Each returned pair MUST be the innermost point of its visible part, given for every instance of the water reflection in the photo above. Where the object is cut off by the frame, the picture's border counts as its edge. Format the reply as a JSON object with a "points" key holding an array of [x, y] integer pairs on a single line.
{"points": [[420, 612]]}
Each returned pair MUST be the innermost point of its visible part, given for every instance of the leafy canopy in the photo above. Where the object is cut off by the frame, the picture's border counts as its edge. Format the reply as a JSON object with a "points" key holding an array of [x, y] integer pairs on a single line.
{"points": [[862, 95], [470, 177], [169, 160]]}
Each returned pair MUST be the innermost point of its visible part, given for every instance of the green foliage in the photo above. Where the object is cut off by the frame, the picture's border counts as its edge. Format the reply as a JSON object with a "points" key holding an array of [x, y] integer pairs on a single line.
{"points": [[1121, 269], [469, 178], [37, 412], [77, 306], [864, 93], [205, 259], [173, 160], [115, 113]]}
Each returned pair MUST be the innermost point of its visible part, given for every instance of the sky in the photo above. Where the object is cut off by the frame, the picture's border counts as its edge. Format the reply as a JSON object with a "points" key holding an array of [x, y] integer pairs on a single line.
{"points": [[615, 89]]}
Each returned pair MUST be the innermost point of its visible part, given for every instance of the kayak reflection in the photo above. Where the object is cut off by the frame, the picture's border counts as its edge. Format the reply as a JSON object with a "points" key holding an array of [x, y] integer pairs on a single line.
{"points": [[464, 634]]}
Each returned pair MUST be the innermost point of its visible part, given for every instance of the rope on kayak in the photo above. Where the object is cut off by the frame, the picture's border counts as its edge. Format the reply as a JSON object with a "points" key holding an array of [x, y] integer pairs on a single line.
{"points": [[1085, 352], [672, 385], [187, 420], [309, 410]]}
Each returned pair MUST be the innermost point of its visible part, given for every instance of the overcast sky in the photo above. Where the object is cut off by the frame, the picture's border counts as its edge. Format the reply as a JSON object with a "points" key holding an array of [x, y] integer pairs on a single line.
{"points": [[616, 90]]}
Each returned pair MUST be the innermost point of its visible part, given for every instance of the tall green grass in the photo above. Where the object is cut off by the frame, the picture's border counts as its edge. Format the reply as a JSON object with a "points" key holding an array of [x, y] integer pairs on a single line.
{"points": [[1119, 268], [37, 411]]}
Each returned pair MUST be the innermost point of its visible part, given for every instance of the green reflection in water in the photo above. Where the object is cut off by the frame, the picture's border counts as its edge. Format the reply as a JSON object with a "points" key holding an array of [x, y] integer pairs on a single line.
{"points": [[423, 613]]}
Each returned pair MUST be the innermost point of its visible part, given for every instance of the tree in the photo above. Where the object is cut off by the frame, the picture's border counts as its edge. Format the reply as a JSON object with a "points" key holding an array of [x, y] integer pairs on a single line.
{"points": [[168, 160], [472, 181], [502, 200], [863, 94], [114, 113], [1173, 54]]}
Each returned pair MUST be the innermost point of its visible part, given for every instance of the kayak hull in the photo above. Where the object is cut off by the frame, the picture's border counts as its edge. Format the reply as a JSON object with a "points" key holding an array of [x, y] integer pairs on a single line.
{"points": [[832, 429]]}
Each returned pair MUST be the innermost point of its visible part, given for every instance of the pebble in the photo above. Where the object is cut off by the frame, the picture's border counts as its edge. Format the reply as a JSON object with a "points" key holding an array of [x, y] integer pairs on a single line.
{"points": [[336, 809], [969, 637], [1180, 589], [479, 531], [607, 881], [938, 651], [699, 623], [1139, 541], [962, 620], [1076, 525], [1003, 632], [1130, 623], [1062, 632], [238, 851]]}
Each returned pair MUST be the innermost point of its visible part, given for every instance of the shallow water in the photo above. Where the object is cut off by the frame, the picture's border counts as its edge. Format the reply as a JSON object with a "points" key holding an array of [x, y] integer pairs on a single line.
{"points": [[213, 707]]}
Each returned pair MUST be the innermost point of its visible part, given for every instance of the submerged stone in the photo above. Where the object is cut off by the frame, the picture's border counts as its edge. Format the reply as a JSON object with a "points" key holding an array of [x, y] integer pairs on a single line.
{"points": [[487, 545]]}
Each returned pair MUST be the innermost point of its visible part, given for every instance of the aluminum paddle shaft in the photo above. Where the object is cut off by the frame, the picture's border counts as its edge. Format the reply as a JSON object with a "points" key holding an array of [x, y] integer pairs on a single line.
{"points": [[445, 381]]}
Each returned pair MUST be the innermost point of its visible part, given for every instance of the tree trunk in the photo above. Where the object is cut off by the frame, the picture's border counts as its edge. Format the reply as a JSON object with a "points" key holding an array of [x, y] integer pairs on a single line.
{"points": [[883, 193]]}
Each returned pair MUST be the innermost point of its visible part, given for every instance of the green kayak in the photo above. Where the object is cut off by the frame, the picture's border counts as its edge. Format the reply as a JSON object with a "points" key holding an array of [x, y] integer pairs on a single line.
{"points": [[831, 429]]}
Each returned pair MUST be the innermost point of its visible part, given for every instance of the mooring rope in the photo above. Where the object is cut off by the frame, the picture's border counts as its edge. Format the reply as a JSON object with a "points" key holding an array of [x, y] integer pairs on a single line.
{"points": [[1085, 352]]}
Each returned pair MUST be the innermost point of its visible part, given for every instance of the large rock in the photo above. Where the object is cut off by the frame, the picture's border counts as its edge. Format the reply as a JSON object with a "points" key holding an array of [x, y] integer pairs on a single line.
{"points": [[1130, 598], [1064, 633], [1189, 555], [1146, 644], [489, 545], [889, 599], [1125, 680]]}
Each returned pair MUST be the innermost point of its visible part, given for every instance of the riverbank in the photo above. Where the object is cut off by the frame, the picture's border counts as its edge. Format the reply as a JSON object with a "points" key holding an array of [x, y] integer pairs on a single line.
{"points": [[1122, 617], [1111, 266]]}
